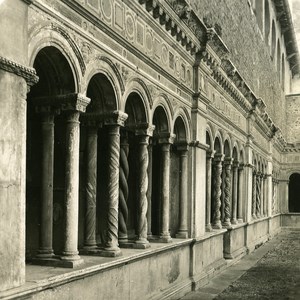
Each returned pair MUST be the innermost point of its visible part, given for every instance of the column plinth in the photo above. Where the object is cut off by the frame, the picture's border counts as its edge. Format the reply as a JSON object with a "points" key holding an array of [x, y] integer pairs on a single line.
{"points": [[183, 228]]}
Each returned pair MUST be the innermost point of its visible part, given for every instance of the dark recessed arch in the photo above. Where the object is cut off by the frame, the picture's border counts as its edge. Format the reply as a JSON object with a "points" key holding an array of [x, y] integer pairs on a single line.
{"points": [[180, 130], [273, 43], [294, 193], [217, 146], [135, 109], [102, 94], [55, 73], [267, 21], [227, 149], [160, 120]]}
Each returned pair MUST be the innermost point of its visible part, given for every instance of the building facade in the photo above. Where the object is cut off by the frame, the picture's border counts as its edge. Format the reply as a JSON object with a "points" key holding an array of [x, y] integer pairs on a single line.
{"points": [[145, 145]]}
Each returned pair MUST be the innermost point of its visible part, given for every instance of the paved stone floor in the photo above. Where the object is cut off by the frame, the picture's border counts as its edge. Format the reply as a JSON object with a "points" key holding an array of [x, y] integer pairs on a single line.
{"points": [[270, 272]]}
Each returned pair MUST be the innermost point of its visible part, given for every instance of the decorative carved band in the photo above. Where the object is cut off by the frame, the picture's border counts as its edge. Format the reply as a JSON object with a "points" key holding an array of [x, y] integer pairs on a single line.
{"points": [[29, 74]]}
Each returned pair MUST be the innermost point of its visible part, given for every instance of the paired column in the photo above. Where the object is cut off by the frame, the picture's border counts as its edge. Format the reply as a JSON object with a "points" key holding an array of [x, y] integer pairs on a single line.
{"points": [[46, 229], [240, 193], [91, 188], [235, 192], [258, 194], [217, 181], [209, 157], [165, 188], [183, 189], [254, 195], [265, 210], [227, 192], [262, 197]]}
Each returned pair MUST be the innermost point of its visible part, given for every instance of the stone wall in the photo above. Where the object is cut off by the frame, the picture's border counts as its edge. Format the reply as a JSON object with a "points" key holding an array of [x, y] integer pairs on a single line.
{"points": [[248, 50], [293, 118]]}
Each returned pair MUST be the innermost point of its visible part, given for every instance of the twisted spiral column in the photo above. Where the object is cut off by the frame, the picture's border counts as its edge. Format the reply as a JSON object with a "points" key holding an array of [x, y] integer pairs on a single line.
{"points": [[70, 251], [240, 194], [111, 243], [258, 196], [143, 160], [217, 181], [123, 190], [227, 193], [45, 247], [235, 193], [91, 188], [253, 195]]}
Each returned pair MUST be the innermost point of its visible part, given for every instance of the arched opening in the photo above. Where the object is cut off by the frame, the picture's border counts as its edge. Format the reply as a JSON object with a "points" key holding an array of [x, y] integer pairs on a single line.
{"points": [[160, 168], [209, 156], [273, 44], [95, 152], [294, 193], [267, 21], [46, 153]]}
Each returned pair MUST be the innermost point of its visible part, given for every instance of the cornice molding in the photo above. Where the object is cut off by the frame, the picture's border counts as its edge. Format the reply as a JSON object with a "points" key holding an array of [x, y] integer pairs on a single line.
{"points": [[29, 74]]}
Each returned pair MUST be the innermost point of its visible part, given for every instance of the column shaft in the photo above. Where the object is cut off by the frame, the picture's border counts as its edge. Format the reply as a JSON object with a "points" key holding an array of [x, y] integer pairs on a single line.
{"points": [[123, 191], [149, 191], [45, 249], [254, 195], [217, 180], [111, 243], [240, 195], [165, 192], [227, 194], [70, 251], [208, 193], [258, 195], [235, 194], [91, 188], [143, 160], [183, 230]]}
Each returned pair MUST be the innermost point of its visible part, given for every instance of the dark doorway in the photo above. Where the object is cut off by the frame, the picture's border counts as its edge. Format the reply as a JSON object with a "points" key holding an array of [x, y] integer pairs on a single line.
{"points": [[294, 193]]}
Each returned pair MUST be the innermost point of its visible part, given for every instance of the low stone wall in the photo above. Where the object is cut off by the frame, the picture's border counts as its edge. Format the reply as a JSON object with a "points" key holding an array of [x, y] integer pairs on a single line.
{"points": [[290, 220], [257, 233]]}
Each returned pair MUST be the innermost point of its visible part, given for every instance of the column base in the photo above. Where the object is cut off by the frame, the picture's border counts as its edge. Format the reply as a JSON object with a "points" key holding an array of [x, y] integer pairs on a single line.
{"points": [[45, 254], [57, 261], [182, 235], [234, 221], [208, 228], [107, 252], [240, 220], [136, 245], [165, 238], [226, 225], [217, 225], [254, 217], [89, 251]]}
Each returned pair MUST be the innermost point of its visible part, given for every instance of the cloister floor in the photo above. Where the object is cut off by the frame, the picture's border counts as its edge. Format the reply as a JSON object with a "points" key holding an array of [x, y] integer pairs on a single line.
{"points": [[270, 272]]}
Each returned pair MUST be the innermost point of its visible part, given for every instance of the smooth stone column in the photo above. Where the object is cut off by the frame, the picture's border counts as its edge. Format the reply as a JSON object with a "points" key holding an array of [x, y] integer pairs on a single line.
{"points": [[91, 189], [143, 160], [240, 194], [149, 191], [209, 156], [227, 193], [165, 192], [254, 195], [265, 195], [235, 192], [217, 181], [258, 195], [45, 249], [183, 188], [123, 191], [70, 252], [262, 198]]}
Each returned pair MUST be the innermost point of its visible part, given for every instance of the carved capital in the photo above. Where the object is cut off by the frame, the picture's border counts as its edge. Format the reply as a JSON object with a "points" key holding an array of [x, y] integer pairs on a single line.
{"points": [[182, 147], [219, 157], [200, 145], [144, 129], [167, 138], [117, 117]]}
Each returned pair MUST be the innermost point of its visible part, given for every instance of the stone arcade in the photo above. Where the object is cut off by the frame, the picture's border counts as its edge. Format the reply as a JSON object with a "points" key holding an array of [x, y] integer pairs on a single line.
{"points": [[146, 145]]}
